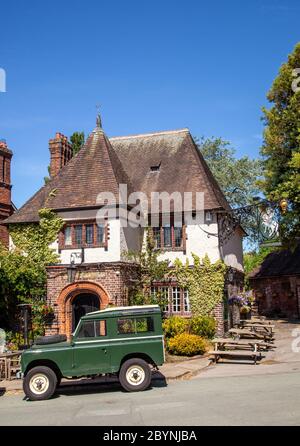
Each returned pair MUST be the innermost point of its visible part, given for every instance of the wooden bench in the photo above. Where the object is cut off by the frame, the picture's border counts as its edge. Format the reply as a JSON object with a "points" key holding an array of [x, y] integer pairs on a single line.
{"points": [[235, 353]]}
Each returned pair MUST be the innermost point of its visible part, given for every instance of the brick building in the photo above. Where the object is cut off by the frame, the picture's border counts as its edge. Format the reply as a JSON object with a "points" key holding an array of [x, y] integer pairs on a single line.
{"points": [[276, 284], [94, 269], [6, 206]]}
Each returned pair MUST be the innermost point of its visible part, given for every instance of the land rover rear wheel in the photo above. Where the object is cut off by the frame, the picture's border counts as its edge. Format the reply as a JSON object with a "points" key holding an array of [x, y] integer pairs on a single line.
{"points": [[40, 383], [135, 375]]}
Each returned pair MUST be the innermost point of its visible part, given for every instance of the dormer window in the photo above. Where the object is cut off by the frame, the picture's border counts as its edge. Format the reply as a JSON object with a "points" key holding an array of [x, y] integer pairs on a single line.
{"points": [[155, 167]]}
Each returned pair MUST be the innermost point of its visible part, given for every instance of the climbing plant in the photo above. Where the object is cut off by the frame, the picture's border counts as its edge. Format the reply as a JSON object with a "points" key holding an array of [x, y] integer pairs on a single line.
{"points": [[151, 269], [23, 268], [204, 281]]}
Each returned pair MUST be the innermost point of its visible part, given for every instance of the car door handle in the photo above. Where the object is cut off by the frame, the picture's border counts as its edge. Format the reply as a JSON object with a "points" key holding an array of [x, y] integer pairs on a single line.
{"points": [[105, 351]]}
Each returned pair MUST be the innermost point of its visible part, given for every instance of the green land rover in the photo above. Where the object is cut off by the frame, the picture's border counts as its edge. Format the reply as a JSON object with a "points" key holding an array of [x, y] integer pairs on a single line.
{"points": [[127, 341]]}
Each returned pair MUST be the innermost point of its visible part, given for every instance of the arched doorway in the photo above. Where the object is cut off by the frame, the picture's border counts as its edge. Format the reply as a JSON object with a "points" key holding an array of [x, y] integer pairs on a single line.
{"points": [[82, 304], [89, 292]]}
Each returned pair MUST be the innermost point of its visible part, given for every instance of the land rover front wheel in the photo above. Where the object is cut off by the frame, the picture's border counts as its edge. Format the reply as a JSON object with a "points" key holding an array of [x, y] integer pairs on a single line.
{"points": [[135, 375], [39, 383]]}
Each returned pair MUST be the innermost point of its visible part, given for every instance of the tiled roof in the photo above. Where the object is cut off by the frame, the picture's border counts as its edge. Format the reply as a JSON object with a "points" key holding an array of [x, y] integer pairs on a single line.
{"points": [[279, 263], [102, 164]]}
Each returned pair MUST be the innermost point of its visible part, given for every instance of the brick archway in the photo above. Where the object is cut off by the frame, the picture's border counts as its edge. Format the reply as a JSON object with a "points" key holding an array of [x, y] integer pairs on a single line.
{"points": [[68, 294]]}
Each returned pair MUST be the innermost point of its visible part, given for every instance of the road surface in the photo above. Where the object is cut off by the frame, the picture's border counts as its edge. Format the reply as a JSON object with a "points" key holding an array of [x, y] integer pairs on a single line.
{"points": [[256, 399]]}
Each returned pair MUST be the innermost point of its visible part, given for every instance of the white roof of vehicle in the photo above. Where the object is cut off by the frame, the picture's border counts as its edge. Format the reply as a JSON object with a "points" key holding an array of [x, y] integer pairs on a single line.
{"points": [[132, 307]]}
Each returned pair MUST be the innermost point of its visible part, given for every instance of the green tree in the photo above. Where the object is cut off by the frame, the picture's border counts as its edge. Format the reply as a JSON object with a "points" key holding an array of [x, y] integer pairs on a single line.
{"points": [[281, 146], [237, 177], [77, 140]]}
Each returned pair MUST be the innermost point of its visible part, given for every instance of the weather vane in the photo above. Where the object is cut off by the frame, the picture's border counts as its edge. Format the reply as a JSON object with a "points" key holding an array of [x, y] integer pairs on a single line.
{"points": [[98, 120]]}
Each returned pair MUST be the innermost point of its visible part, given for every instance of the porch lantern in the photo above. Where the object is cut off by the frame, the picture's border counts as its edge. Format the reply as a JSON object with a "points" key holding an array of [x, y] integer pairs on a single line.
{"points": [[71, 270]]}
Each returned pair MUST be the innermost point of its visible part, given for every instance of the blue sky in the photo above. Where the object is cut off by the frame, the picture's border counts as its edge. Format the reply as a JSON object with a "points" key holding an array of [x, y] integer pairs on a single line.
{"points": [[151, 65]]}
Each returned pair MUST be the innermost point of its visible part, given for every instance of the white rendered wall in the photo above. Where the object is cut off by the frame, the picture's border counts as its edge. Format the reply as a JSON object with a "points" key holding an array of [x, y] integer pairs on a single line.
{"points": [[198, 242], [232, 251]]}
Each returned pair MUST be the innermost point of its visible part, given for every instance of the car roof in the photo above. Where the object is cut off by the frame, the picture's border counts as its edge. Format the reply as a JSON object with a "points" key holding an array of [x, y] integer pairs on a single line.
{"points": [[129, 310]]}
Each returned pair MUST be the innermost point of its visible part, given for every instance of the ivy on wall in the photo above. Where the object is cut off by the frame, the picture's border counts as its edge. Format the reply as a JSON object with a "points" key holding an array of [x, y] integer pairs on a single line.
{"points": [[34, 239], [23, 268], [205, 282]]}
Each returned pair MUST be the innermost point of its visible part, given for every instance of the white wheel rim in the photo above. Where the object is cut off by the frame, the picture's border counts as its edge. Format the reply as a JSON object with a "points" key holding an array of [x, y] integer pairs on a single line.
{"points": [[39, 384], [135, 375]]}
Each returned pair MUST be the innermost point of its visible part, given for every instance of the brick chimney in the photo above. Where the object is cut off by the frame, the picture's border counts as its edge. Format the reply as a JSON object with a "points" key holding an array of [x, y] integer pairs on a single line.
{"points": [[6, 207], [60, 153]]}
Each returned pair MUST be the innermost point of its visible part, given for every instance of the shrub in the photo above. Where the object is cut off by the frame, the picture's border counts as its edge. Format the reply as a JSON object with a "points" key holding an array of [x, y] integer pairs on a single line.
{"points": [[186, 344], [203, 326], [175, 325], [14, 341]]}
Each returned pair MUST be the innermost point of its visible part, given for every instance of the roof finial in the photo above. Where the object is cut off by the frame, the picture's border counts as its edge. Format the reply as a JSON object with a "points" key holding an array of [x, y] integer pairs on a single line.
{"points": [[98, 119]]}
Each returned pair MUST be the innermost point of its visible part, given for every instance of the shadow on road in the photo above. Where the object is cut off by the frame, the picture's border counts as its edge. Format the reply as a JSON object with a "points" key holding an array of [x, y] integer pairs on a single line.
{"points": [[94, 387]]}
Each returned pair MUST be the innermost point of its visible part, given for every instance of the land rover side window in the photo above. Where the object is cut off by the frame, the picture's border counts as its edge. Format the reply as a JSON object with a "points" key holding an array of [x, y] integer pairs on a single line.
{"points": [[135, 325], [92, 329], [87, 330]]}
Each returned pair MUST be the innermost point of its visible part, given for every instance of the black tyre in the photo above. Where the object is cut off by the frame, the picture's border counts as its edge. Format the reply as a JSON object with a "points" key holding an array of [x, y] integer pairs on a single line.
{"points": [[54, 339], [135, 375], [40, 383]]}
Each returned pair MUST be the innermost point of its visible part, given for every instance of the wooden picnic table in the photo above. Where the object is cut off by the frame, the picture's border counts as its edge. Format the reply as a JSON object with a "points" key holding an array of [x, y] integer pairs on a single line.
{"points": [[230, 347], [259, 343], [260, 327], [254, 321], [244, 333], [8, 360]]}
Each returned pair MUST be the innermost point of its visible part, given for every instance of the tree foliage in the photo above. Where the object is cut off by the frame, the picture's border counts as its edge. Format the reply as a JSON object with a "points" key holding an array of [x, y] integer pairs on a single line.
{"points": [[237, 177], [23, 268], [77, 140], [281, 146]]}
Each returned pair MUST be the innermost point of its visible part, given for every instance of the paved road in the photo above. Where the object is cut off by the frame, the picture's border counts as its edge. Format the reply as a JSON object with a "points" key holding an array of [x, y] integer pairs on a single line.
{"points": [[268, 399]]}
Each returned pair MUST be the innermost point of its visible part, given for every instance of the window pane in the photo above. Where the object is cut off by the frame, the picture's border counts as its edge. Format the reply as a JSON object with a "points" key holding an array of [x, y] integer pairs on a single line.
{"points": [[78, 235], [186, 300], [68, 236], [100, 233], [89, 234], [100, 327], [87, 330], [126, 326], [167, 236], [156, 237], [154, 291], [144, 324], [178, 237], [176, 299]]}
